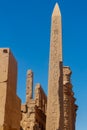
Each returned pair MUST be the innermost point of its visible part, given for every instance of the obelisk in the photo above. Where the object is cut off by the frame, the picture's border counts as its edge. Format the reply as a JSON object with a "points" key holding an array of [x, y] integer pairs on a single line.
{"points": [[55, 80]]}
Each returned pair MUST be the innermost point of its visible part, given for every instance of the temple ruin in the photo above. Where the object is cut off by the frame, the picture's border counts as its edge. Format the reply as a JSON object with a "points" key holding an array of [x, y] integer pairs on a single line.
{"points": [[57, 111], [10, 103], [34, 110]]}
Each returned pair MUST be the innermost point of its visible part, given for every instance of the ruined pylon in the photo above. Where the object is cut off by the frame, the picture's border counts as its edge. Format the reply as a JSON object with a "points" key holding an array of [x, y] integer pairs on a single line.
{"points": [[10, 104]]}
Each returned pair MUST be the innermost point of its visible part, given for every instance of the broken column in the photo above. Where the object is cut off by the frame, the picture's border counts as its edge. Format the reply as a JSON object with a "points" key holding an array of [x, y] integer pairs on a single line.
{"points": [[29, 86]]}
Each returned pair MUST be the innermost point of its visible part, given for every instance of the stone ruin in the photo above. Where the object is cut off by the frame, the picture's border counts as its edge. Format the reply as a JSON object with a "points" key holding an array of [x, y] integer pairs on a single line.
{"points": [[34, 110], [55, 112], [10, 103], [61, 107], [13, 114]]}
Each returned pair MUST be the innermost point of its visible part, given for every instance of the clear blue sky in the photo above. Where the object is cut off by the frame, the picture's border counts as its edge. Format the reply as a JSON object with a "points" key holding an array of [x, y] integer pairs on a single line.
{"points": [[25, 28]]}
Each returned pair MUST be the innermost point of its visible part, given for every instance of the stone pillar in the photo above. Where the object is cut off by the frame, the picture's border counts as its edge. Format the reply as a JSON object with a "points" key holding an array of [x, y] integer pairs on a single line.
{"points": [[10, 104], [55, 81], [38, 98], [29, 88]]}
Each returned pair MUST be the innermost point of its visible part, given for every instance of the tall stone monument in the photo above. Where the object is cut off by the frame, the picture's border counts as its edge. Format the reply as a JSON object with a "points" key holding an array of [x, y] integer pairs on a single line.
{"points": [[59, 112], [10, 104], [55, 80]]}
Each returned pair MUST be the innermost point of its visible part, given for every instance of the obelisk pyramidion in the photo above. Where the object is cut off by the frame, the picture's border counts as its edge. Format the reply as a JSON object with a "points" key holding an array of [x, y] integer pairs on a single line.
{"points": [[55, 80]]}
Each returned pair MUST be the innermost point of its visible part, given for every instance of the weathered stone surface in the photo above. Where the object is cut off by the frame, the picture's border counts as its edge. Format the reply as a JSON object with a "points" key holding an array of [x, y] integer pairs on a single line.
{"points": [[66, 74], [61, 108], [40, 98], [4, 57], [3, 90], [34, 110], [24, 108], [69, 101], [29, 88], [1, 128], [55, 81], [10, 104]]}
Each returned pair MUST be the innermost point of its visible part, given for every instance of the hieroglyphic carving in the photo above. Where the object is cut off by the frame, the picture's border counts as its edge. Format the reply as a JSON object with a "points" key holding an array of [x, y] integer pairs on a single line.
{"points": [[55, 83]]}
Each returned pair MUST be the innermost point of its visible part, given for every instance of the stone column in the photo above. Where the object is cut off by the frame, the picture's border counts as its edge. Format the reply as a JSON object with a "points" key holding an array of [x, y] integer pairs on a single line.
{"points": [[29, 86]]}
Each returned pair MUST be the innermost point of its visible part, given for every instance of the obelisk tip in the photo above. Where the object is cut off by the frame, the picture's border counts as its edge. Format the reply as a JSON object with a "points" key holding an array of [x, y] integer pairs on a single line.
{"points": [[56, 11]]}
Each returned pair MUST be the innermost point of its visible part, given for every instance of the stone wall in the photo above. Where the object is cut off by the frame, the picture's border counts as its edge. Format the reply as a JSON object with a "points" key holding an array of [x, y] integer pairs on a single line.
{"points": [[69, 101], [40, 98], [10, 104], [34, 110]]}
